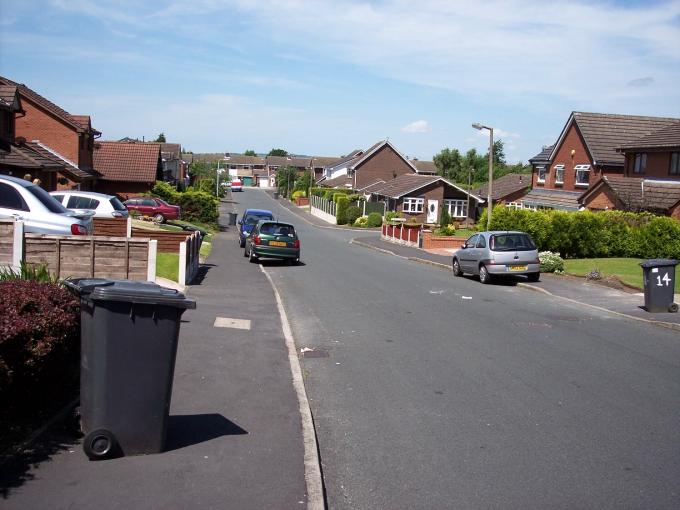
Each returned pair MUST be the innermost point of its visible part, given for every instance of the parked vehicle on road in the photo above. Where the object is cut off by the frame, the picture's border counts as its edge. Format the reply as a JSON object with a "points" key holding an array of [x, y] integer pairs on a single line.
{"points": [[273, 239], [104, 206], [156, 208], [236, 185], [40, 212], [496, 253], [249, 220]]}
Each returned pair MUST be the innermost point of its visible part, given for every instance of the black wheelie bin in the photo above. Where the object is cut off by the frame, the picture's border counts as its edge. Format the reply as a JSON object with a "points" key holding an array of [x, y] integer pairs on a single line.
{"points": [[659, 284], [129, 333]]}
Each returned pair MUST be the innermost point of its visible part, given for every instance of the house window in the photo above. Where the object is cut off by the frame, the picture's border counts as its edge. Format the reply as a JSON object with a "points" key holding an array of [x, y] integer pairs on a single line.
{"points": [[413, 205], [559, 174], [582, 172], [456, 208], [540, 170], [640, 163], [515, 205], [675, 163]]}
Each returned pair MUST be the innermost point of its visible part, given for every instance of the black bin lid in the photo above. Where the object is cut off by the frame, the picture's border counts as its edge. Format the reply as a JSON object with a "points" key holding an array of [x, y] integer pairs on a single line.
{"points": [[658, 263], [149, 293]]}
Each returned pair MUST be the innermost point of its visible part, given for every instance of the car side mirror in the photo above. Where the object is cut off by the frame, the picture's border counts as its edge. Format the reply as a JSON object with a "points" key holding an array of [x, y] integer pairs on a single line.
{"points": [[240, 222], [464, 245]]}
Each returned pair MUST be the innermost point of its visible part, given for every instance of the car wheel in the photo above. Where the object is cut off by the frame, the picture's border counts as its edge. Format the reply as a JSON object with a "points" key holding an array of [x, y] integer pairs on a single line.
{"points": [[534, 277], [158, 218], [484, 275], [673, 308], [252, 257], [457, 271], [99, 444]]}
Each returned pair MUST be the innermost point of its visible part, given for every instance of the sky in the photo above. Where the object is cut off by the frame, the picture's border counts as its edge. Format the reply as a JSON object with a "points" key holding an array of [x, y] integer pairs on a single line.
{"points": [[326, 77]]}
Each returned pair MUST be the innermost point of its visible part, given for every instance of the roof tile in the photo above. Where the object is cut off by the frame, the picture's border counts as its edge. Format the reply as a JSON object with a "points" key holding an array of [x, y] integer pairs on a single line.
{"points": [[122, 161]]}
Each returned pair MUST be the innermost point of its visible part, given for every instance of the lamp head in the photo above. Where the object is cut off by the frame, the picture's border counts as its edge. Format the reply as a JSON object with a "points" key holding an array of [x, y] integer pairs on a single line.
{"points": [[477, 125]]}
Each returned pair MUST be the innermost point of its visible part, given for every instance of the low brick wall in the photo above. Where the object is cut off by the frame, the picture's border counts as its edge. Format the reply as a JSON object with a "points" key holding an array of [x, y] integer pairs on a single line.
{"points": [[301, 201], [431, 242]]}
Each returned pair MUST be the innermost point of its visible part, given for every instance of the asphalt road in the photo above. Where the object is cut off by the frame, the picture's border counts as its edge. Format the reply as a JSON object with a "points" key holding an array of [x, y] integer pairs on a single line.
{"points": [[430, 391]]}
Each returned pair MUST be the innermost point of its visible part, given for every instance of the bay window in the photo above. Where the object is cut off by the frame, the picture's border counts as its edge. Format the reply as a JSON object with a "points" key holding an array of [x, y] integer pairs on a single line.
{"points": [[456, 208]]}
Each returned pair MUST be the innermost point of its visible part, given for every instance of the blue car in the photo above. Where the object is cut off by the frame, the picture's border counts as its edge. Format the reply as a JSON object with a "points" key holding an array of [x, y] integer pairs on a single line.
{"points": [[249, 220]]}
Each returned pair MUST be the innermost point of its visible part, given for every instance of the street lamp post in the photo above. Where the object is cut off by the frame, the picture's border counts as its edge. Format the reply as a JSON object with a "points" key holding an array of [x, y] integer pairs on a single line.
{"points": [[479, 126], [217, 179]]}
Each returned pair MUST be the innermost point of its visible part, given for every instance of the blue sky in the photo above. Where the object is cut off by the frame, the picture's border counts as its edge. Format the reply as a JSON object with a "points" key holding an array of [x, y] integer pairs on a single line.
{"points": [[326, 77]]}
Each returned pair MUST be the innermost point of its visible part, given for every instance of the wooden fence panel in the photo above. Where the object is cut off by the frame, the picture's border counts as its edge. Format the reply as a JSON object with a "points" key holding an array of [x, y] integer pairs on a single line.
{"points": [[112, 227], [6, 243], [167, 241]]}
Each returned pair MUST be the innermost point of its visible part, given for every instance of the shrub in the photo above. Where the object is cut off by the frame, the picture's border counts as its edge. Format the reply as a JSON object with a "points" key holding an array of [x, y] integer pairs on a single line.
{"points": [[390, 215], [374, 220], [352, 214], [660, 238], [328, 194], [446, 230], [39, 333], [298, 193], [199, 206], [337, 193], [361, 221], [35, 272], [341, 210], [551, 262], [444, 217], [165, 191]]}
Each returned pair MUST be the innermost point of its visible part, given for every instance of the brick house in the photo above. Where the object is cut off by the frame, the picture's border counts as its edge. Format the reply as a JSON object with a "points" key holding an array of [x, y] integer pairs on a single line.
{"points": [[585, 151], [127, 169], [508, 190], [68, 137], [18, 157], [421, 197], [655, 156], [359, 169]]}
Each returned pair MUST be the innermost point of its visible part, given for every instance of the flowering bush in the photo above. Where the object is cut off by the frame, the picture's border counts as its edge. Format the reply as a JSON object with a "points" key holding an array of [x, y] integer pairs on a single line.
{"points": [[551, 262], [361, 221], [446, 230]]}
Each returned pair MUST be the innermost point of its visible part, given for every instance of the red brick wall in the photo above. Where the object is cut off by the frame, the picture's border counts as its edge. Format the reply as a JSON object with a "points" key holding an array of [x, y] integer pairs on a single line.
{"points": [[384, 164], [601, 200], [433, 242], [40, 125], [572, 141], [658, 166]]}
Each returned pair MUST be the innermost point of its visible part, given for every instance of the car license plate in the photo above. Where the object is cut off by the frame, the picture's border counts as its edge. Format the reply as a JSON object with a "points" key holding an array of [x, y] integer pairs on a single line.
{"points": [[277, 243], [517, 268]]}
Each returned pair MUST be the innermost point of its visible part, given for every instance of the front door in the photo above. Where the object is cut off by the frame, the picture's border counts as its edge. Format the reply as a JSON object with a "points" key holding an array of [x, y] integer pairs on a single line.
{"points": [[432, 211]]}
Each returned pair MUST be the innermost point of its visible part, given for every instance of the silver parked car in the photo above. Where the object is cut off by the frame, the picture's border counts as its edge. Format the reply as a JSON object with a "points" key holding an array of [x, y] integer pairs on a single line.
{"points": [[40, 212], [498, 253], [104, 206]]}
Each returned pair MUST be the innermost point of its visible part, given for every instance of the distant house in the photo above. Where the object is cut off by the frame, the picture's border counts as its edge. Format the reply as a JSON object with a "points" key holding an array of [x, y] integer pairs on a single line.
{"points": [[273, 163], [173, 167], [507, 190], [424, 167], [320, 162], [421, 197], [246, 168], [585, 151], [127, 169], [634, 194], [656, 155], [69, 138], [382, 161]]}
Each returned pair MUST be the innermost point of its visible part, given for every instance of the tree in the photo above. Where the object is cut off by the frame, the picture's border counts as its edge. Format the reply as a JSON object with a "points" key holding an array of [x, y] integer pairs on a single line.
{"points": [[277, 152], [448, 163], [498, 154], [303, 182], [161, 138], [285, 180], [249, 152]]}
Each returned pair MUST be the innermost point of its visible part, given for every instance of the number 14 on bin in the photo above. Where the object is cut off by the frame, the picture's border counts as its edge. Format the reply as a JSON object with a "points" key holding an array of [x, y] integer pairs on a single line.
{"points": [[664, 281]]}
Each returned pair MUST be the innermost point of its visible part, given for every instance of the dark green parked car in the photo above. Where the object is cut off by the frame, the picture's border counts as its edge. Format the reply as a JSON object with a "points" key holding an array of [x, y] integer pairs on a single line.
{"points": [[273, 239]]}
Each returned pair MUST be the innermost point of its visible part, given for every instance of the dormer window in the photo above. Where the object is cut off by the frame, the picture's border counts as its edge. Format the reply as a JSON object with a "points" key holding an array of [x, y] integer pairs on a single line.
{"points": [[540, 171], [559, 174], [675, 164], [640, 164], [582, 175]]}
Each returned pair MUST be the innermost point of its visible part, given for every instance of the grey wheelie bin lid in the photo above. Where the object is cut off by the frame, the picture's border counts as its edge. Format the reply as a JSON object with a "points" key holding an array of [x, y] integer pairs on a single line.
{"points": [[129, 291], [658, 263]]}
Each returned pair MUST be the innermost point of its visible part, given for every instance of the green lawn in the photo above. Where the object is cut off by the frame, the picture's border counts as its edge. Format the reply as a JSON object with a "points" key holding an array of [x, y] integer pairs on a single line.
{"points": [[625, 269], [167, 266]]}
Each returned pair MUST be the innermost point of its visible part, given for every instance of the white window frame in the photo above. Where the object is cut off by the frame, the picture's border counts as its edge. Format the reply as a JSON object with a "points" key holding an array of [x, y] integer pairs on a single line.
{"points": [[413, 205], [559, 174], [456, 207], [582, 170], [539, 170], [640, 163], [515, 205]]}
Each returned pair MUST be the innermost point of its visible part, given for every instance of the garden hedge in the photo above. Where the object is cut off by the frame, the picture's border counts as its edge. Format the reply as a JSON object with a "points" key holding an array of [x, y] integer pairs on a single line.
{"points": [[196, 205], [587, 234], [341, 210]]}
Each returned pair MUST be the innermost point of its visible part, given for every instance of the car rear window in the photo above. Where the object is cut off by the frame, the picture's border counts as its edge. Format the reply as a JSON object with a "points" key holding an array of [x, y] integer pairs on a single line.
{"points": [[253, 218], [117, 204], [512, 242], [46, 199], [78, 202], [278, 229]]}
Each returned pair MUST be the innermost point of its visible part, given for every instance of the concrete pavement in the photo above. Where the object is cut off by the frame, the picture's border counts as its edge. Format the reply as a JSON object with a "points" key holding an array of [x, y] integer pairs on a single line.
{"points": [[235, 438]]}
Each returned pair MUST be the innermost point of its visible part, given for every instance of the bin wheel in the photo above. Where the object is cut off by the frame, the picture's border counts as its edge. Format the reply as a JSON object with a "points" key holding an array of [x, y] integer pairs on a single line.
{"points": [[99, 444], [673, 308]]}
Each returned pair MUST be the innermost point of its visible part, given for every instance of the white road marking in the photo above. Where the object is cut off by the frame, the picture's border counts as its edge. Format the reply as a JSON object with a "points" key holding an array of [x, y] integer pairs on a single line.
{"points": [[226, 322]]}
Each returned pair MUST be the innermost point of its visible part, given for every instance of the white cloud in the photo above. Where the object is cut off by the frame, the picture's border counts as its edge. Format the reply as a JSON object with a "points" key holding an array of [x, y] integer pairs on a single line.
{"points": [[419, 126]]}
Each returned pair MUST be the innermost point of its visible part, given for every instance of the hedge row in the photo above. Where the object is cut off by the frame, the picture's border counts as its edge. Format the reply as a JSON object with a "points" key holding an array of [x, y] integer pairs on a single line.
{"points": [[198, 206], [587, 234]]}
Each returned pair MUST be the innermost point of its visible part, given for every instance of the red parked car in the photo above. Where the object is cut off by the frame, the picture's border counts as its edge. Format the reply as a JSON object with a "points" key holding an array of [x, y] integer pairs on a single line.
{"points": [[156, 208]]}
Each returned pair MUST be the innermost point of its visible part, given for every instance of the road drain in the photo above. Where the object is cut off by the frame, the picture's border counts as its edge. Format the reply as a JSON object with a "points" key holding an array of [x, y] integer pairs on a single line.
{"points": [[306, 352]]}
